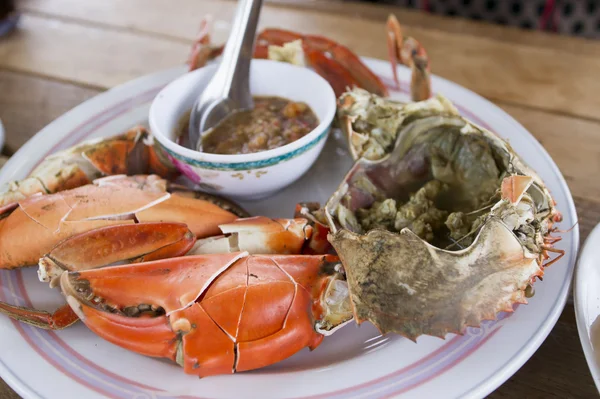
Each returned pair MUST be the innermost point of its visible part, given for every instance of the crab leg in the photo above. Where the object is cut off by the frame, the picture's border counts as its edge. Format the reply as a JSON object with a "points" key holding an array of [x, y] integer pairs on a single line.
{"points": [[409, 52], [61, 318], [560, 252], [131, 153]]}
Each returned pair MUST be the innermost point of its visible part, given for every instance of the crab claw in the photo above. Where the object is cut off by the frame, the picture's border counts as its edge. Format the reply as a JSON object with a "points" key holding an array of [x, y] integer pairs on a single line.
{"points": [[97, 248], [108, 245], [40, 222], [212, 314], [132, 305]]}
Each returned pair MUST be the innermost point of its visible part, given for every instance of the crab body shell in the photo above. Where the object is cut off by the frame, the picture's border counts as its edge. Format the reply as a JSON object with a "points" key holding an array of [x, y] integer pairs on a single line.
{"points": [[440, 229]]}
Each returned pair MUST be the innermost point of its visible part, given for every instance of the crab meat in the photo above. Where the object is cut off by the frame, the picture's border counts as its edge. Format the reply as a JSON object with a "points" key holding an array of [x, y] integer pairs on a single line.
{"points": [[371, 123]]}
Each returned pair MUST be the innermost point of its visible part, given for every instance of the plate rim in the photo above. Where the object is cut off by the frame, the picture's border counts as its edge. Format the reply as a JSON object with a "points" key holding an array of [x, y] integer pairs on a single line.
{"points": [[579, 282], [484, 387]]}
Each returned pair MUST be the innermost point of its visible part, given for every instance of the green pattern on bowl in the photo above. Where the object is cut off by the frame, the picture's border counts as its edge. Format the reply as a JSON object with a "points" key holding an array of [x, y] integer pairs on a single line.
{"points": [[263, 163]]}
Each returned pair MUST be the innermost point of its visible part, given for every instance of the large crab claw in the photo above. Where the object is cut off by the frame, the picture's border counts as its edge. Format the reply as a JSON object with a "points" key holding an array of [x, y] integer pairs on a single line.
{"points": [[144, 242], [212, 314], [98, 248]]}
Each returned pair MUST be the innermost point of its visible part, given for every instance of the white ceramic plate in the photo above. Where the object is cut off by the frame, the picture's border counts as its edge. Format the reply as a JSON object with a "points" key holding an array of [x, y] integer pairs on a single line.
{"points": [[587, 302], [354, 362]]}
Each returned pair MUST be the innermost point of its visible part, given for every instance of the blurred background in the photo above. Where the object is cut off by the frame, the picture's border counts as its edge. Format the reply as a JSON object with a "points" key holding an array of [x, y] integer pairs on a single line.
{"points": [[567, 17]]}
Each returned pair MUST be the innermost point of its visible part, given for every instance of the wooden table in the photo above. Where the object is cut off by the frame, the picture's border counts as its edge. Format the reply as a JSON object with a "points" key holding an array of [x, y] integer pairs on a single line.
{"points": [[67, 51]]}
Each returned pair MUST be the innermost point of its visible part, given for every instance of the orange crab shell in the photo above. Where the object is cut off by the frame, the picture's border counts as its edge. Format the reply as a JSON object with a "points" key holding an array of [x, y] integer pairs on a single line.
{"points": [[37, 223], [213, 314]]}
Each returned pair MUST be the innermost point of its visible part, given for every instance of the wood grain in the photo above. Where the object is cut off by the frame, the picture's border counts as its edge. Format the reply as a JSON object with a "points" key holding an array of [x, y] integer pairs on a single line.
{"points": [[588, 213], [7, 392], [546, 77], [85, 55], [573, 143], [129, 18], [557, 369], [29, 103]]}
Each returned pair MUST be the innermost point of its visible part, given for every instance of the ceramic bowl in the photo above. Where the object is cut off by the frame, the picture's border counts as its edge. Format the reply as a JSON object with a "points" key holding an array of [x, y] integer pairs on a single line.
{"points": [[246, 176]]}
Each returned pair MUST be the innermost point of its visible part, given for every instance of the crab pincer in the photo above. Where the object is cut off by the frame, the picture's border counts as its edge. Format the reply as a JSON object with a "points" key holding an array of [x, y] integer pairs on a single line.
{"points": [[98, 248], [212, 314], [147, 241]]}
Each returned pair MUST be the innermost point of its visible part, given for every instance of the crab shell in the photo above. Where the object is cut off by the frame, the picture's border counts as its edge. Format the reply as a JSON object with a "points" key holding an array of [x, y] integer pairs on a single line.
{"points": [[358, 106], [402, 283]]}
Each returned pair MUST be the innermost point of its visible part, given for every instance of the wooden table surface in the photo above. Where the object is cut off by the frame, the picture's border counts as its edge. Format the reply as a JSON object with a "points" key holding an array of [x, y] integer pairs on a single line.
{"points": [[66, 51]]}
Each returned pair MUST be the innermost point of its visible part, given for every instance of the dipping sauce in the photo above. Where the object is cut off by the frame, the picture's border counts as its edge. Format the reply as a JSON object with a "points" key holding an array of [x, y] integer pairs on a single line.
{"points": [[273, 122]]}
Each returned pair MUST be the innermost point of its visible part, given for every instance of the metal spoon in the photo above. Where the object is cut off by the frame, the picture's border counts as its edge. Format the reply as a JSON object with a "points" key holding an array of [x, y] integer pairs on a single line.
{"points": [[229, 89]]}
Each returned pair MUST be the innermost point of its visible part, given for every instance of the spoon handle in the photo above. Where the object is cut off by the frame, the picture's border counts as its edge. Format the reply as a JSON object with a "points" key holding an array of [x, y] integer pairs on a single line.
{"points": [[234, 70]]}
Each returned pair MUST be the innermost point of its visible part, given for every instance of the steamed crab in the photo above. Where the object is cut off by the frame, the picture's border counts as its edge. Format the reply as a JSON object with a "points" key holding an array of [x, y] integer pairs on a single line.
{"points": [[437, 226], [441, 225]]}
